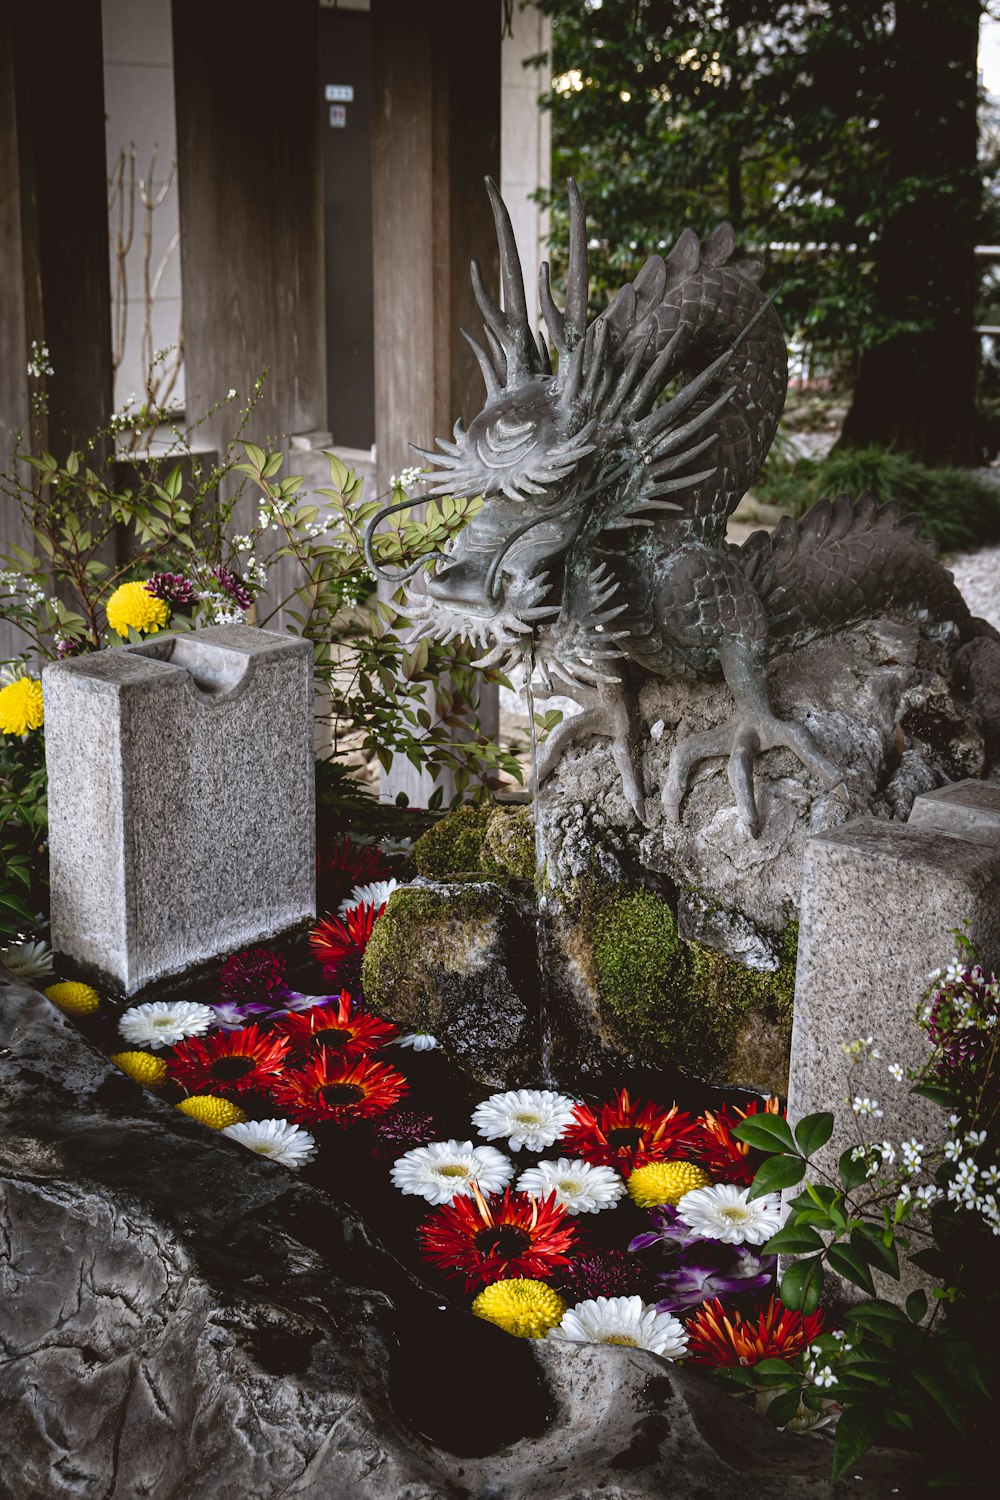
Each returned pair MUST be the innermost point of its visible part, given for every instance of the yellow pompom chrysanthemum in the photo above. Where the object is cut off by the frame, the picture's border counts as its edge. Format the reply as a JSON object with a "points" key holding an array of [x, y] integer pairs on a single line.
{"points": [[527, 1309], [131, 606], [665, 1182], [21, 706], [143, 1067], [209, 1110], [75, 999]]}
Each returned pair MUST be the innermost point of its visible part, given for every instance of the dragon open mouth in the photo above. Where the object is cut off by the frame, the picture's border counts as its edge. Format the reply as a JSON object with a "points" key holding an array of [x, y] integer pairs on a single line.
{"points": [[501, 628]]}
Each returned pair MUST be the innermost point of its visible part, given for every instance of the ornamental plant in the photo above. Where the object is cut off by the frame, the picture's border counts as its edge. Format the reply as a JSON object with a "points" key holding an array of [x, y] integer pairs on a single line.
{"points": [[919, 1373]]}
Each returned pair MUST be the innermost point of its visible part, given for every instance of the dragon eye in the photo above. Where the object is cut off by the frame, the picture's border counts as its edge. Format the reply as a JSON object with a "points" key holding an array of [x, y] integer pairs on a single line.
{"points": [[507, 435]]}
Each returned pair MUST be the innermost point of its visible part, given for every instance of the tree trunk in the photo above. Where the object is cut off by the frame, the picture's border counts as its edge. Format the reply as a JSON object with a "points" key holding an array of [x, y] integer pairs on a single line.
{"points": [[916, 388]]}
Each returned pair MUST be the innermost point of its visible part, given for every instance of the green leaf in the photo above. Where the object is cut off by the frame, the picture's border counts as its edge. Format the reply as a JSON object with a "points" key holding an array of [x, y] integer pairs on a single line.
{"points": [[794, 1239], [783, 1408], [852, 1173], [766, 1133], [802, 1284], [942, 1396], [776, 1173], [857, 1430], [813, 1131], [937, 1095], [869, 1241], [851, 1264]]}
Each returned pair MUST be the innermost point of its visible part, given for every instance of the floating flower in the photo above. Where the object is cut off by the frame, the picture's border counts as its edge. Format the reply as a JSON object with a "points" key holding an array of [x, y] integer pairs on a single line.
{"points": [[234, 1061], [172, 588], [399, 1130], [28, 960], [726, 1213], [664, 1182], [534, 1118], [141, 1067], [331, 1087], [229, 1016], [626, 1135], [579, 1188], [668, 1229], [444, 1169], [376, 893], [287, 1144], [527, 1309], [711, 1269], [420, 1041], [164, 1023], [133, 607], [486, 1240], [720, 1336], [334, 1026], [253, 974], [21, 706], [75, 999], [601, 1273], [350, 864], [713, 1143], [210, 1110], [626, 1321], [294, 1000], [339, 944]]}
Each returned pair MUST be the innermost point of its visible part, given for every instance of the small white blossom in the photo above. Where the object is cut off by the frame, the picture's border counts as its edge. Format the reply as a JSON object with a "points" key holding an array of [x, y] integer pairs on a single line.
{"points": [[896, 1069], [975, 1138], [825, 1378], [912, 1154], [865, 1106]]}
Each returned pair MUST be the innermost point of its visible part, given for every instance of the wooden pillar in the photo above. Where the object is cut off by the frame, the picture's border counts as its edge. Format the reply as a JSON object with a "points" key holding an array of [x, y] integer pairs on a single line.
{"points": [[246, 83], [436, 135], [55, 282]]}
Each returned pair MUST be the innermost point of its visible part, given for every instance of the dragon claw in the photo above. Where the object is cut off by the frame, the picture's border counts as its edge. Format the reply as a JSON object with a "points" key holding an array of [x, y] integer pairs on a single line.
{"points": [[743, 738]]}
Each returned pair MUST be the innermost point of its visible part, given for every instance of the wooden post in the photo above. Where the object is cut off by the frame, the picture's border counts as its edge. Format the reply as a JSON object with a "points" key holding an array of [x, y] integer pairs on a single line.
{"points": [[436, 135], [55, 287]]}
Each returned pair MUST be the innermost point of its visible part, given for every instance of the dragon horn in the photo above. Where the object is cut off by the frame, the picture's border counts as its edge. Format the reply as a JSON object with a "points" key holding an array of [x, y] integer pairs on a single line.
{"points": [[515, 306], [553, 317], [577, 273], [489, 374]]}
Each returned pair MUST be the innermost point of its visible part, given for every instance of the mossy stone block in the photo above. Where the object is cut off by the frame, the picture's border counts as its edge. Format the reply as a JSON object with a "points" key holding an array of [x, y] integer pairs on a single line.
{"points": [[481, 839]]}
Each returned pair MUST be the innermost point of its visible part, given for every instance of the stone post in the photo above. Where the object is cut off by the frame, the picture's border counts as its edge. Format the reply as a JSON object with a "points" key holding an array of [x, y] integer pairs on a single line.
{"points": [[880, 902], [181, 801]]}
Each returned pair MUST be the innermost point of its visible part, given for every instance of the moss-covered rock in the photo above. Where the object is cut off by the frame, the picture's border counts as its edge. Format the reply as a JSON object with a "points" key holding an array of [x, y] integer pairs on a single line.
{"points": [[457, 960], [668, 1000], [482, 839]]}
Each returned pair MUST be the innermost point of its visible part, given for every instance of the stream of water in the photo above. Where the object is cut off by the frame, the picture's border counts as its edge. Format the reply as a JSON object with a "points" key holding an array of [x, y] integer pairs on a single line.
{"points": [[546, 1079]]}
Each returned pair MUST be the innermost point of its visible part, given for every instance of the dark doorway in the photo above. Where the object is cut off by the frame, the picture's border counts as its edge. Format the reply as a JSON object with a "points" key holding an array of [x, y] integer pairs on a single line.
{"points": [[346, 83]]}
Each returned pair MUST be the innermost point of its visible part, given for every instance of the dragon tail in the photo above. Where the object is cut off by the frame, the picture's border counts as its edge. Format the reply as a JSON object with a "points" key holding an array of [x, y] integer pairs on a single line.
{"points": [[847, 560]]}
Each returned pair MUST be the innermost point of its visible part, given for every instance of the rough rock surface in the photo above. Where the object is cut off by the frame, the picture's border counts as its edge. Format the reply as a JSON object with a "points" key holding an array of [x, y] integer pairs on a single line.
{"points": [[458, 960], [181, 1318], [884, 700]]}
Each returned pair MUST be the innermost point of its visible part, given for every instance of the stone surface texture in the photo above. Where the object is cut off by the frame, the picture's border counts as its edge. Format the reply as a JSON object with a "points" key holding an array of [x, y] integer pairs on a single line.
{"points": [[879, 904], [458, 960], [180, 1318], [181, 800], [883, 700]]}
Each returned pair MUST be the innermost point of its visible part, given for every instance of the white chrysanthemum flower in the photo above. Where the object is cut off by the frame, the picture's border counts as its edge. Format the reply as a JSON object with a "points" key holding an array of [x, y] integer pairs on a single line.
{"points": [[447, 1169], [162, 1023], [579, 1187], [420, 1041], [725, 1213], [376, 894], [623, 1320], [527, 1117], [287, 1144], [30, 960]]}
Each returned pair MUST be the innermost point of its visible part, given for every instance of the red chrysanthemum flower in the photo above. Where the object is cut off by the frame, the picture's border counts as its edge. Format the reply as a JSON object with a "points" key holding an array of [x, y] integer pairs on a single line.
{"points": [[626, 1135], [229, 1062], [602, 1273], [350, 864], [487, 1240], [332, 1087], [717, 1336], [339, 943], [253, 974], [332, 1025], [714, 1146]]}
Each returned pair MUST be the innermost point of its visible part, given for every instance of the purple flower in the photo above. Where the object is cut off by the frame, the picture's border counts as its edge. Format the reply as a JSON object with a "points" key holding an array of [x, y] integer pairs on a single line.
{"points": [[295, 1000], [229, 1016], [71, 645], [233, 586], [669, 1230], [713, 1270], [172, 588]]}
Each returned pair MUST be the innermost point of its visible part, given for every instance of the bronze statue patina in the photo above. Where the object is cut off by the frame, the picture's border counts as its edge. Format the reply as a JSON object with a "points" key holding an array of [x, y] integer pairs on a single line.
{"points": [[600, 552]]}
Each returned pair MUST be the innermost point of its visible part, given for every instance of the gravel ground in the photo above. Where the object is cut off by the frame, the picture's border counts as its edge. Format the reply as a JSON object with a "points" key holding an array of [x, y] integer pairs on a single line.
{"points": [[978, 577]]}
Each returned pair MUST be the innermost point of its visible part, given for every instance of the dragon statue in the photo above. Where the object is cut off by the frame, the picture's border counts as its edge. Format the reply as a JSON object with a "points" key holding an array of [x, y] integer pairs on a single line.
{"points": [[608, 477]]}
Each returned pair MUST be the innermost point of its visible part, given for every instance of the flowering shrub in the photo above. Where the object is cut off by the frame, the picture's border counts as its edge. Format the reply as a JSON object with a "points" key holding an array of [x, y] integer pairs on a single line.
{"points": [[922, 1371]]}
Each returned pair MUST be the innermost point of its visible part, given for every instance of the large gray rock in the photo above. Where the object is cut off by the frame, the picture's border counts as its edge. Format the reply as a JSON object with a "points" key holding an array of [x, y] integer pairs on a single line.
{"points": [[181, 1318], [883, 700], [181, 801]]}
